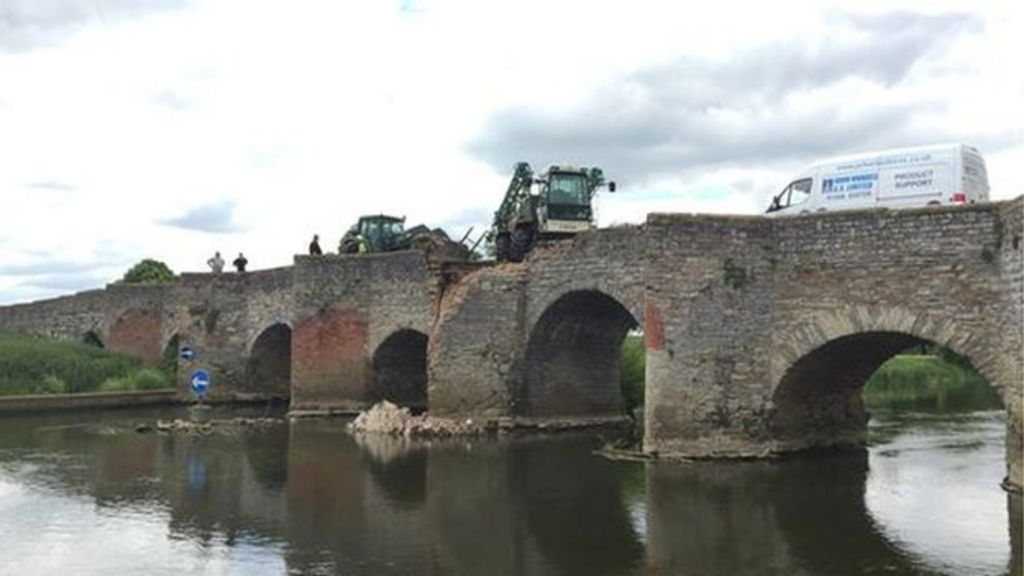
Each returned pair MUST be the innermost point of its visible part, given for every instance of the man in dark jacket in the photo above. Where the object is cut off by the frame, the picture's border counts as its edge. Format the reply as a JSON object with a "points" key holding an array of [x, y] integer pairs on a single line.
{"points": [[240, 262], [314, 246]]}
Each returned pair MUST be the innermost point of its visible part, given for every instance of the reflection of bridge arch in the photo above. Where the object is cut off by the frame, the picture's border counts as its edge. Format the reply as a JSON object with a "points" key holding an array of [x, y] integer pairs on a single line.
{"points": [[400, 369], [572, 357], [824, 365], [784, 515], [269, 368]]}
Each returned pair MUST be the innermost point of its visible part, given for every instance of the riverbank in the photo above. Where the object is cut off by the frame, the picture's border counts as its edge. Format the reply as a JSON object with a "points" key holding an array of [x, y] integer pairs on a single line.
{"points": [[19, 404], [32, 366], [933, 382]]}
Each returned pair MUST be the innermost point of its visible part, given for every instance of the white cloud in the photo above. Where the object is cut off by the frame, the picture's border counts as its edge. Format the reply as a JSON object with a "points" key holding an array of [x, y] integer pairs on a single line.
{"points": [[301, 116]]}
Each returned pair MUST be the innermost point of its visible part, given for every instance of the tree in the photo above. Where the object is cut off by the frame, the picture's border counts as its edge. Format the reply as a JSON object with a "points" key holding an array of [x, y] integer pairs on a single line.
{"points": [[149, 271]]}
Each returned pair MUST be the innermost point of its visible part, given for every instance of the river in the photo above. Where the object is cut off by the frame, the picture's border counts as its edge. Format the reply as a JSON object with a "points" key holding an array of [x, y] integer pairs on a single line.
{"points": [[86, 494]]}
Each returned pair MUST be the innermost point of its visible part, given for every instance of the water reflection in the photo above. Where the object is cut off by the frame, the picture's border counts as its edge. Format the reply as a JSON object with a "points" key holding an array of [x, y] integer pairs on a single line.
{"points": [[307, 498], [801, 516]]}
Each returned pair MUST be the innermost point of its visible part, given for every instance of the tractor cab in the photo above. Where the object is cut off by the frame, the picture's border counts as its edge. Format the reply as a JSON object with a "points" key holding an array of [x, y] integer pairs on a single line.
{"points": [[378, 233], [566, 195], [382, 233]]}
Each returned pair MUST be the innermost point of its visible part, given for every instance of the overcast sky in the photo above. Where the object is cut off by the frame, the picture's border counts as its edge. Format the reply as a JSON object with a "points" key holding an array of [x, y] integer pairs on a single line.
{"points": [[173, 128]]}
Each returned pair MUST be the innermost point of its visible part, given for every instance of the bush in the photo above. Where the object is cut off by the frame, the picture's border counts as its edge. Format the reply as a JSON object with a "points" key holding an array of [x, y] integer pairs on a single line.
{"points": [[51, 385], [32, 365], [632, 360], [149, 271], [144, 379]]}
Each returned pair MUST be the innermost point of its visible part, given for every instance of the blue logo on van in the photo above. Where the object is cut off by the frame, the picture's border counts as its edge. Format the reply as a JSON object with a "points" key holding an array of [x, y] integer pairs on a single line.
{"points": [[855, 183]]}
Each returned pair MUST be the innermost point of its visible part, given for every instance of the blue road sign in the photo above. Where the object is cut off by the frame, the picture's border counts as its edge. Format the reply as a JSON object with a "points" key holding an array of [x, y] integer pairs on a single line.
{"points": [[187, 354], [200, 380]]}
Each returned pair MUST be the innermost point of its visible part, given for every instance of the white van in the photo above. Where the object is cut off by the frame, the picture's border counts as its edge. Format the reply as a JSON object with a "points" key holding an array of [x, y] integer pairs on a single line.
{"points": [[904, 178]]}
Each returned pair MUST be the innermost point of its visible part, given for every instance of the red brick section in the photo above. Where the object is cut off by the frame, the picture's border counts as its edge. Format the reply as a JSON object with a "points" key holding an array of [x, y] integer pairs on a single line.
{"points": [[137, 332], [654, 336], [329, 359]]}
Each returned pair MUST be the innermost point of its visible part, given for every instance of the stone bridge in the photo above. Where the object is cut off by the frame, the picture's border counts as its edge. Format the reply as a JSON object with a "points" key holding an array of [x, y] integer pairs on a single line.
{"points": [[760, 333]]}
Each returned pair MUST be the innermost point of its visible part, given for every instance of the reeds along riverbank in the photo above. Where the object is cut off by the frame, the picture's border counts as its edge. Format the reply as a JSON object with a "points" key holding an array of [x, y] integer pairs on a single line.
{"points": [[931, 381], [34, 365]]}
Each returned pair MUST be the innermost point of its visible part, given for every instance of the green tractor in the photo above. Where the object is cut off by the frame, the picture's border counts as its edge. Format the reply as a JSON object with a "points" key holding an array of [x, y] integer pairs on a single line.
{"points": [[556, 204], [380, 233]]}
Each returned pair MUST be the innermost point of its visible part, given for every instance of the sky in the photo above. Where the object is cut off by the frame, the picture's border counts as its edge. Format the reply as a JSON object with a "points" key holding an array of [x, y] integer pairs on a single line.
{"points": [[169, 129]]}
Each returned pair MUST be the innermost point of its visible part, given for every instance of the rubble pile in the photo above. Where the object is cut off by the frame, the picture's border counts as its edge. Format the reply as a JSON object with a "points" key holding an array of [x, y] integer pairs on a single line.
{"points": [[387, 418]]}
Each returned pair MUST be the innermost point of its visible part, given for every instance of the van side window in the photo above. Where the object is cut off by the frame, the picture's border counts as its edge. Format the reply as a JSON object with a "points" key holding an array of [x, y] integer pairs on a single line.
{"points": [[796, 193], [800, 191]]}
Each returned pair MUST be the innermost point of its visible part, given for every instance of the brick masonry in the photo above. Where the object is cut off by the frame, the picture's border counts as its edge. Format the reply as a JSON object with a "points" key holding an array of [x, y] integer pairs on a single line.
{"points": [[759, 332]]}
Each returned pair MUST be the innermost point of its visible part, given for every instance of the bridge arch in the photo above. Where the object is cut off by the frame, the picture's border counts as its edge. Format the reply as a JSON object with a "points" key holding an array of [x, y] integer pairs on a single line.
{"points": [[169, 358], [820, 368], [268, 369], [571, 363], [399, 369], [92, 338]]}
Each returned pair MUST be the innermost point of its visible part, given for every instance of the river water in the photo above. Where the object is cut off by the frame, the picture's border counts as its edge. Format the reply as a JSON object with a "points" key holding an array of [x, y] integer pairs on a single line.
{"points": [[86, 494]]}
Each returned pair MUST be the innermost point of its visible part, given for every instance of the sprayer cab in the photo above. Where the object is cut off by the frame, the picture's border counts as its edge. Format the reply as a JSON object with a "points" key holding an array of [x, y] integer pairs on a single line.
{"points": [[556, 204]]}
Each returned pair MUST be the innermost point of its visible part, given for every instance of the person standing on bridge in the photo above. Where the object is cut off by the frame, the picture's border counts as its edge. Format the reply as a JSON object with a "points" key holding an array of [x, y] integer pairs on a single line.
{"points": [[314, 246], [240, 262], [216, 263]]}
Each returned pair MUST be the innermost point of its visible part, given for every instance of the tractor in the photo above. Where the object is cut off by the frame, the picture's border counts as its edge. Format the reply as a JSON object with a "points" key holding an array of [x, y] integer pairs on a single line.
{"points": [[556, 204], [380, 233]]}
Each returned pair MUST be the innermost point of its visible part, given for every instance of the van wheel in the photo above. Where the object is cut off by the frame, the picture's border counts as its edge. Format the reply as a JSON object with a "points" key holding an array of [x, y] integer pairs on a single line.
{"points": [[935, 203]]}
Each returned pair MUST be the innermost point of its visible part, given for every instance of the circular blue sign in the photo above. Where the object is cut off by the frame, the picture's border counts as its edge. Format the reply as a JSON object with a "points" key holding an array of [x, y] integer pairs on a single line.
{"points": [[187, 354], [200, 381]]}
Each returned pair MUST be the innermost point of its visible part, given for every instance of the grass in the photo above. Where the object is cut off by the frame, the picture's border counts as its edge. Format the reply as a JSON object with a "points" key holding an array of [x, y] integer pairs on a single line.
{"points": [[632, 358], [34, 365], [934, 381]]}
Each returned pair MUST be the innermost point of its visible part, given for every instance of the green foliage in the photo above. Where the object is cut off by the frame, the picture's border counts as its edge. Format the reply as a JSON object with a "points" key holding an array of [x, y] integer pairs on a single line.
{"points": [[144, 379], [939, 380], [31, 365], [52, 385], [632, 359], [149, 271]]}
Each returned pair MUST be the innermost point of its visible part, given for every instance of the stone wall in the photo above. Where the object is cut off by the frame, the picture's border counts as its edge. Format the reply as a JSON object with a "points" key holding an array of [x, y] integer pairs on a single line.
{"points": [[344, 307], [708, 305], [541, 337], [220, 316]]}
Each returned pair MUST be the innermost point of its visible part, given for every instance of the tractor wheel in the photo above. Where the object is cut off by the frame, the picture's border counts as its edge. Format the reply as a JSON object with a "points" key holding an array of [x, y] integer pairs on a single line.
{"points": [[522, 241], [501, 247]]}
